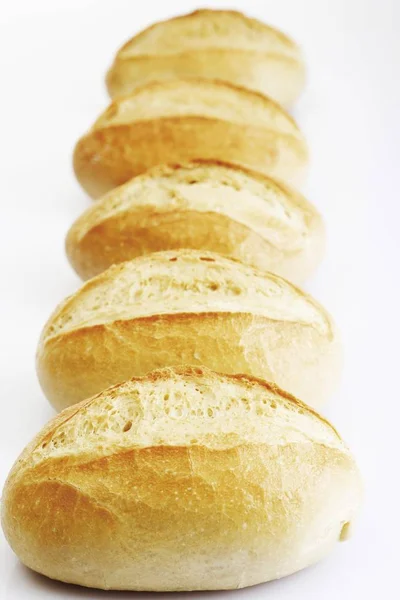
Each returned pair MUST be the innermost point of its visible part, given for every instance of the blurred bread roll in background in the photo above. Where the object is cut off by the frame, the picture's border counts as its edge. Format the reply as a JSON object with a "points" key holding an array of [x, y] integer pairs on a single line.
{"points": [[177, 121], [211, 44], [183, 480], [206, 205], [187, 307]]}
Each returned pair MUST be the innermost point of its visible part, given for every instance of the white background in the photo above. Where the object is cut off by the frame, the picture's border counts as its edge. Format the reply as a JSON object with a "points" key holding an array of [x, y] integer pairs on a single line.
{"points": [[53, 57]]}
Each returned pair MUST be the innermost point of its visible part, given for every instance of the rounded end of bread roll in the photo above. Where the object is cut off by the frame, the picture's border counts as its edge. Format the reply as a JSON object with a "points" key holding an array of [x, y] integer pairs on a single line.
{"points": [[181, 120], [204, 205], [183, 480], [187, 307], [211, 44]]}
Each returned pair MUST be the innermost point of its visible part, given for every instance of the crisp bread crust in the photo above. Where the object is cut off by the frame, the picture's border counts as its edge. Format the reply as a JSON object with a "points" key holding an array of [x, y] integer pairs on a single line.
{"points": [[113, 152], [218, 312], [93, 501], [224, 45], [152, 212]]}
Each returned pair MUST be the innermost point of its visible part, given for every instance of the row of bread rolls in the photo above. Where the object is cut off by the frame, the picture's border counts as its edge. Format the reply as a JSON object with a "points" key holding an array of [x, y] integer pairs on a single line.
{"points": [[190, 477]]}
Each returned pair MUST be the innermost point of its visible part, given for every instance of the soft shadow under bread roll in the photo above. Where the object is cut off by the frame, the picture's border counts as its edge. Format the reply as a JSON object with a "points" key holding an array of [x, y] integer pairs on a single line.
{"points": [[187, 307], [206, 206], [211, 44], [183, 480], [182, 120]]}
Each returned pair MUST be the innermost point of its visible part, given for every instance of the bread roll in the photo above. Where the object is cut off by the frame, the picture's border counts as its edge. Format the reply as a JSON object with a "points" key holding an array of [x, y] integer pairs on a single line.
{"points": [[183, 480], [211, 44], [207, 206], [187, 307], [181, 120]]}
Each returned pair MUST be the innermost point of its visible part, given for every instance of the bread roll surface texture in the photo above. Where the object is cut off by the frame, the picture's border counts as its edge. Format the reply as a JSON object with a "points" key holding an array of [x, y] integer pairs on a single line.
{"points": [[183, 480], [211, 44], [205, 205], [182, 120], [187, 307]]}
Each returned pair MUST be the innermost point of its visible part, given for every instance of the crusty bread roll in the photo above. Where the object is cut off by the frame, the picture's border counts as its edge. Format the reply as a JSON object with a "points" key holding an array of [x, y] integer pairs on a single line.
{"points": [[211, 44], [187, 307], [182, 120], [205, 205], [183, 480]]}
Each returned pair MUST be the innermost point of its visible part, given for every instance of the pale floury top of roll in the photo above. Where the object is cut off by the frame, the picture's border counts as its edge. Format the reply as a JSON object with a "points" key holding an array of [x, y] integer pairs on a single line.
{"points": [[181, 120], [187, 307], [206, 205], [183, 480], [211, 44]]}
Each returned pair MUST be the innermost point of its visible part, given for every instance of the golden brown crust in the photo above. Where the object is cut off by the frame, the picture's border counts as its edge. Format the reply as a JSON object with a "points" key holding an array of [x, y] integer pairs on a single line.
{"points": [[223, 208], [187, 307], [220, 15], [168, 168], [189, 372], [212, 44], [196, 85], [94, 503], [130, 235], [185, 281], [109, 155], [79, 363]]}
